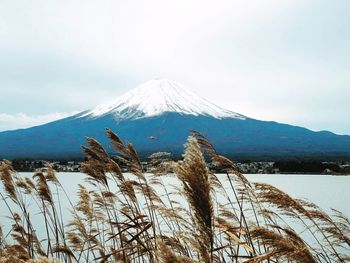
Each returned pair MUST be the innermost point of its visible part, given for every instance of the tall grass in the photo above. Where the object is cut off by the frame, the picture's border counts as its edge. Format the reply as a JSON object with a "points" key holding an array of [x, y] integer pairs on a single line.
{"points": [[123, 218]]}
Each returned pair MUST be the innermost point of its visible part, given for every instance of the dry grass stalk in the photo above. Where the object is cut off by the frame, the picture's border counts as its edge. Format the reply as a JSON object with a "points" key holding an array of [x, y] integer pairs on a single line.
{"points": [[6, 176], [138, 218], [282, 247], [194, 175]]}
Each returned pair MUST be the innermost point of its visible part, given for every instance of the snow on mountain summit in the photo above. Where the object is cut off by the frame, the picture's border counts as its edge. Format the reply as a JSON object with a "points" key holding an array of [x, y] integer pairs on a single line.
{"points": [[156, 97]]}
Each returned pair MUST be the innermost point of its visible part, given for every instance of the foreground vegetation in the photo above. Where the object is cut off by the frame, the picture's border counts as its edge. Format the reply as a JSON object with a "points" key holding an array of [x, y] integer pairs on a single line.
{"points": [[121, 218]]}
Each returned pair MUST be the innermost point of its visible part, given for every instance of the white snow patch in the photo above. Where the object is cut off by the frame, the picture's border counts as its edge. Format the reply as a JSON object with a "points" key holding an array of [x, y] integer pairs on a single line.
{"points": [[156, 97]]}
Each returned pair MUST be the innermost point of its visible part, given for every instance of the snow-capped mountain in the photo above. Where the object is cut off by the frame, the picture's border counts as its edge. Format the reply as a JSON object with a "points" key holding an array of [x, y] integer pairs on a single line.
{"points": [[156, 97], [158, 115]]}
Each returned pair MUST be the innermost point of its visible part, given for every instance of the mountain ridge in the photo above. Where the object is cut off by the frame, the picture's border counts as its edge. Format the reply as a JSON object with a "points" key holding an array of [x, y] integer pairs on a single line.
{"points": [[155, 126]]}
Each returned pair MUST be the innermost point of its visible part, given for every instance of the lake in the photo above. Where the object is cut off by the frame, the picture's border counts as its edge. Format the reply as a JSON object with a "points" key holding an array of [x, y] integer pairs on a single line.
{"points": [[324, 190]]}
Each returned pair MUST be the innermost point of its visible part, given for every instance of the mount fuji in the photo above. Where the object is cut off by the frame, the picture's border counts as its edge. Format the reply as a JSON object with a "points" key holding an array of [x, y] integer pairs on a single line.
{"points": [[158, 115], [157, 97]]}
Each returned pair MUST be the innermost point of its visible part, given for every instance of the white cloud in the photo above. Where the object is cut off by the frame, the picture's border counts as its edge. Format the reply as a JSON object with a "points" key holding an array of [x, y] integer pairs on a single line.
{"points": [[22, 120]]}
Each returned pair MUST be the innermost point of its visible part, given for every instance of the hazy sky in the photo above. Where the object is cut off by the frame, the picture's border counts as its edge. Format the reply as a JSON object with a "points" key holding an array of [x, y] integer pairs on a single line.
{"points": [[287, 60]]}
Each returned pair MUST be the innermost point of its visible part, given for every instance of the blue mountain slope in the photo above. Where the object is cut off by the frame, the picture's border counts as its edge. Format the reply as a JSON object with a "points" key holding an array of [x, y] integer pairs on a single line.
{"points": [[241, 138], [165, 111]]}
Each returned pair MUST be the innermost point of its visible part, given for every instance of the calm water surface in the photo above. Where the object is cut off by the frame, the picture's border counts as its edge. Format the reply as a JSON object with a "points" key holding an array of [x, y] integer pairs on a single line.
{"points": [[324, 190]]}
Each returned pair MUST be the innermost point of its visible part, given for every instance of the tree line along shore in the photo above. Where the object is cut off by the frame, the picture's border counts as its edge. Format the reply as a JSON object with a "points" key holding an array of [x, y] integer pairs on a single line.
{"points": [[247, 167]]}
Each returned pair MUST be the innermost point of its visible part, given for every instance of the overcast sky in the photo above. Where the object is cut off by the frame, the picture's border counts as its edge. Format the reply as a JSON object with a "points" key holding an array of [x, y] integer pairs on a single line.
{"points": [[287, 61]]}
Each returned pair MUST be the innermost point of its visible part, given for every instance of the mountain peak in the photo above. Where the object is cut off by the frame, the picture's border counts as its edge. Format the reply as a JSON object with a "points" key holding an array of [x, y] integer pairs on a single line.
{"points": [[156, 97]]}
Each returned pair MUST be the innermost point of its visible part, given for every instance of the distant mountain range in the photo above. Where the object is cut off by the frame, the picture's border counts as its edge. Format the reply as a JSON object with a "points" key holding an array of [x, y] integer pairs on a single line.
{"points": [[157, 116]]}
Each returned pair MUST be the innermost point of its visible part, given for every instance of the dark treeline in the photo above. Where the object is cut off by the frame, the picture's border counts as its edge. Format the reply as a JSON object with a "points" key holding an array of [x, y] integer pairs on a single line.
{"points": [[313, 167], [298, 167]]}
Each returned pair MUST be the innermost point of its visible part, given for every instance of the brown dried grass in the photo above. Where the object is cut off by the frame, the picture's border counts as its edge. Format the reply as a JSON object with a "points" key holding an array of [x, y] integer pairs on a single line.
{"points": [[123, 218]]}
